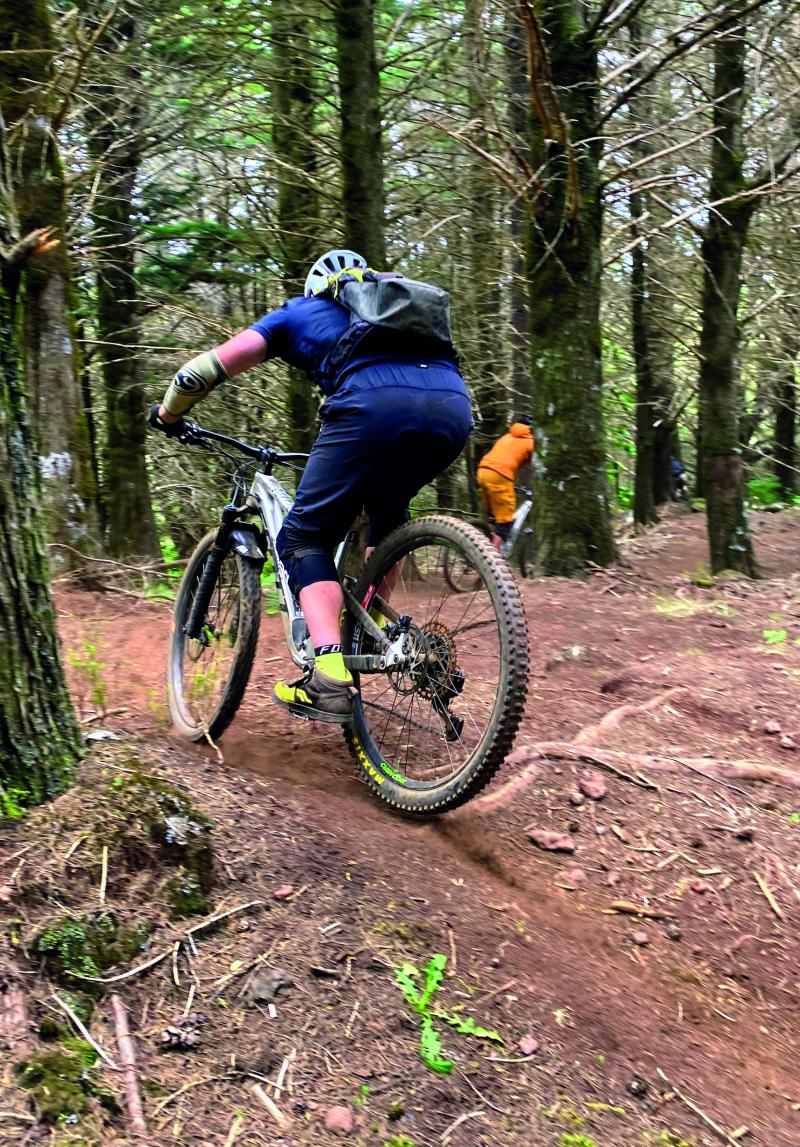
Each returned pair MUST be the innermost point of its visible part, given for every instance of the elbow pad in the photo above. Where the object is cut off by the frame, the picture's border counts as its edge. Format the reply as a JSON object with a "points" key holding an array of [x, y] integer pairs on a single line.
{"points": [[194, 381]]}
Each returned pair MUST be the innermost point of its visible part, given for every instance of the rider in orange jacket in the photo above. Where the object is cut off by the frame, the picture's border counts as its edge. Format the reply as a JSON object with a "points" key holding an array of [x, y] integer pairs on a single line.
{"points": [[496, 473]]}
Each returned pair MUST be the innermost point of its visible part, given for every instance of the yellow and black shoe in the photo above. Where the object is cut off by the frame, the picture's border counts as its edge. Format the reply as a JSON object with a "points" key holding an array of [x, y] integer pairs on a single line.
{"points": [[320, 696]]}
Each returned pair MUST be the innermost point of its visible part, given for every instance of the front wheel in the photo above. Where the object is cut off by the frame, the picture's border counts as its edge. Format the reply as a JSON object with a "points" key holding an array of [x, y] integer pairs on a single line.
{"points": [[431, 734], [207, 676]]}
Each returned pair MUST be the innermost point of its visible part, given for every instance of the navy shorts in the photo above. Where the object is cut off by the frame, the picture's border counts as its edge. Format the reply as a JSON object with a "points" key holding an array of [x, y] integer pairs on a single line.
{"points": [[389, 430]]}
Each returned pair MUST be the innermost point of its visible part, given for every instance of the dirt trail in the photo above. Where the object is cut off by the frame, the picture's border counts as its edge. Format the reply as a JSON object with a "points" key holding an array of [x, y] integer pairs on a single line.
{"points": [[705, 988]]}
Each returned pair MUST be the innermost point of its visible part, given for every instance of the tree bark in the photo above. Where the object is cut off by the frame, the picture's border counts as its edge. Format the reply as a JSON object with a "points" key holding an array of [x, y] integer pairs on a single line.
{"points": [[571, 512], [293, 133], [482, 347], [39, 740], [519, 107], [722, 249], [363, 196], [114, 117], [69, 495], [785, 453]]}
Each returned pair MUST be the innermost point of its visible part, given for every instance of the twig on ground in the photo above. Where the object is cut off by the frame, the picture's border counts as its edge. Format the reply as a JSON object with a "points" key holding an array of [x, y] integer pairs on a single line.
{"points": [[190, 999], [483, 1099], [265, 1101], [222, 916], [84, 1031], [766, 892], [495, 992], [122, 975], [715, 1127], [23, 1118], [103, 875], [165, 1102], [176, 948], [127, 1056], [235, 1129], [451, 939], [628, 908], [448, 1131], [348, 1031]]}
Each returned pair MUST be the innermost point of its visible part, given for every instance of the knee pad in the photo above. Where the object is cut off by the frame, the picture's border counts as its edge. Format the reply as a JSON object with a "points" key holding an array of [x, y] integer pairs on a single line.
{"points": [[503, 529], [304, 564]]}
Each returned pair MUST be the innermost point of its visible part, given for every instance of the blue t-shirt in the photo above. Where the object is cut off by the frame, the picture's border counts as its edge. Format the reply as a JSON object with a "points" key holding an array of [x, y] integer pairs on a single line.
{"points": [[305, 330]]}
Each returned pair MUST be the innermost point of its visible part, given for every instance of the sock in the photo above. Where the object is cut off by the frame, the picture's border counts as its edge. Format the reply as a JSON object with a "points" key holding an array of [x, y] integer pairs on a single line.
{"points": [[328, 659]]}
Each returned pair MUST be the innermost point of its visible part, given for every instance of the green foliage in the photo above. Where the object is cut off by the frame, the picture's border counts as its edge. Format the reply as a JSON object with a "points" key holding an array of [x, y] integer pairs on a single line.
{"points": [[774, 636], [185, 895], [86, 663], [568, 1140], [764, 491], [398, 1141], [89, 945], [61, 1082], [431, 1050]]}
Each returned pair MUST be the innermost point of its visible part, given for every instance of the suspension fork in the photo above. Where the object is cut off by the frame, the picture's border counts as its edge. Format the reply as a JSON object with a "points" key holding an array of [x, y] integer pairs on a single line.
{"points": [[210, 573]]}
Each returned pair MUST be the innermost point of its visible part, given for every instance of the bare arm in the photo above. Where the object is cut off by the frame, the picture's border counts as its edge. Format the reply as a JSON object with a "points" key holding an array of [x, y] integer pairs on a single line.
{"points": [[201, 374]]}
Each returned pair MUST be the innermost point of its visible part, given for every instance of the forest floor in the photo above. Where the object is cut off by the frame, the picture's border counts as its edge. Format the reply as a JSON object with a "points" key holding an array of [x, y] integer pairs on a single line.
{"points": [[646, 985]]}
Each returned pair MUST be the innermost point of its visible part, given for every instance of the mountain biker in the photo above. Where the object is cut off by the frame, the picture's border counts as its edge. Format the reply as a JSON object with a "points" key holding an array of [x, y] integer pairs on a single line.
{"points": [[497, 470], [677, 472], [392, 421]]}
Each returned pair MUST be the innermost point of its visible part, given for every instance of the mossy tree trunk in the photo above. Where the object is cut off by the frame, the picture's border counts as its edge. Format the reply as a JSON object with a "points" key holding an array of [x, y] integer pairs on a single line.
{"points": [[571, 511], [294, 102], [483, 349], [722, 249], [114, 119], [69, 494], [39, 739], [363, 196]]}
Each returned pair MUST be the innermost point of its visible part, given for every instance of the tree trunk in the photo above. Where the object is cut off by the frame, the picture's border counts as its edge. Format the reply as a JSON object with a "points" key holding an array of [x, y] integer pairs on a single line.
{"points": [[644, 507], [39, 739], [69, 495], [114, 118], [294, 104], [519, 104], [483, 369], [651, 304], [722, 249], [363, 196], [785, 455], [571, 513]]}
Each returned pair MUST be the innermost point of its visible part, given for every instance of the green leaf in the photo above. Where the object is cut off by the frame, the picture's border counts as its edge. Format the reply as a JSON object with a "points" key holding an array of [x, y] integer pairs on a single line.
{"points": [[467, 1026], [774, 636], [431, 1049], [434, 974]]}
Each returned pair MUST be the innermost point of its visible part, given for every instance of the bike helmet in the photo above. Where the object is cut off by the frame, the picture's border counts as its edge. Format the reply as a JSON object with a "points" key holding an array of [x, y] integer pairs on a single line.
{"points": [[331, 263]]}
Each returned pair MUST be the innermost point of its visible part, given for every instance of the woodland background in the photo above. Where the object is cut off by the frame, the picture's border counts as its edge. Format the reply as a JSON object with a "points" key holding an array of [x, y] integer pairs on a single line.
{"points": [[608, 191]]}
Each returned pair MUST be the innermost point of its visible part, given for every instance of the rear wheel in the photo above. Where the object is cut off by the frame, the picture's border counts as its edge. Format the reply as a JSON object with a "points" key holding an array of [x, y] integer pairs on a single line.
{"points": [[207, 676], [428, 736]]}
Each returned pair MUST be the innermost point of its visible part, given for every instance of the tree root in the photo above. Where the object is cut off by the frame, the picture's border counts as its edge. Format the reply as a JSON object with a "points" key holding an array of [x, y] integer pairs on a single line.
{"points": [[629, 767], [592, 734], [127, 1057]]}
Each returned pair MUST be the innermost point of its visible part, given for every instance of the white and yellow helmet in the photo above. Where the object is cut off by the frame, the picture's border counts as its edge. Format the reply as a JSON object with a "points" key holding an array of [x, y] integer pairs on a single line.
{"points": [[328, 265]]}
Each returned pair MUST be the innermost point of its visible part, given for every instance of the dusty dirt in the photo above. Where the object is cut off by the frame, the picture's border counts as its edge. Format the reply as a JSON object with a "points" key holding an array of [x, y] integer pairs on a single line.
{"points": [[674, 1025]]}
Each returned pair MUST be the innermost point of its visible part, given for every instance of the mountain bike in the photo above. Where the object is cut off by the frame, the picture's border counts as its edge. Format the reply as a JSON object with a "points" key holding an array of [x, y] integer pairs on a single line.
{"points": [[518, 547], [441, 677]]}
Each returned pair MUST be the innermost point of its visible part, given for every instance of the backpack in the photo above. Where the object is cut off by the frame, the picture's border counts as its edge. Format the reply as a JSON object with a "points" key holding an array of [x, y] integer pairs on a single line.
{"points": [[389, 316]]}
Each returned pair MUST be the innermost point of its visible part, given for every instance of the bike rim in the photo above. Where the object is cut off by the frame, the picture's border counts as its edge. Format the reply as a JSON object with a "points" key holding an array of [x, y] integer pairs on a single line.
{"points": [[427, 723], [205, 664]]}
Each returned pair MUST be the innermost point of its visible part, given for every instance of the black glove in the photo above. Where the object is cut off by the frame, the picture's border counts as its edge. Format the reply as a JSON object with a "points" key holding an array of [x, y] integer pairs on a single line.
{"points": [[171, 429]]}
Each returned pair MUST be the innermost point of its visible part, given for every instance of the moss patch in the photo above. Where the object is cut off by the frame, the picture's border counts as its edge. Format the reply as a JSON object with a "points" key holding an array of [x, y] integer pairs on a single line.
{"points": [[88, 945]]}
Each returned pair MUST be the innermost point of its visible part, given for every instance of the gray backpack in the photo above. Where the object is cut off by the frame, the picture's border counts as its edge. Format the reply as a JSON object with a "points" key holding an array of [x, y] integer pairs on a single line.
{"points": [[390, 316]]}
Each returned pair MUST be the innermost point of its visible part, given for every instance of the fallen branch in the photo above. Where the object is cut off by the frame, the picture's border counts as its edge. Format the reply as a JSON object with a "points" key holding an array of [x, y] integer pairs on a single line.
{"points": [[715, 1127], [767, 893], [83, 1030], [127, 1056], [271, 1106], [122, 975]]}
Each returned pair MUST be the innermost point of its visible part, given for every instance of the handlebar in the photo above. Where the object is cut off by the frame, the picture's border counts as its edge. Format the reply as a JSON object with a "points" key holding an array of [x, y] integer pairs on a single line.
{"points": [[268, 456]]}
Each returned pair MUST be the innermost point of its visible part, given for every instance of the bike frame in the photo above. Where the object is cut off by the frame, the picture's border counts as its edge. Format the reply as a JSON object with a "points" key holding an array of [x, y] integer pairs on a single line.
{"points": [[268, 499], [517, 525]]}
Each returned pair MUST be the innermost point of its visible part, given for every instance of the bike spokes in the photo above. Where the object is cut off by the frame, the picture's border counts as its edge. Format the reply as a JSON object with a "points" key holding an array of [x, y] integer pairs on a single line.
{"points": [[430, 716]]}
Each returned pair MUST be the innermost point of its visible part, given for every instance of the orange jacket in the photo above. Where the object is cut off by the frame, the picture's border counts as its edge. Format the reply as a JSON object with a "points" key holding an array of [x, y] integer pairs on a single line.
{"points": [[510, 452]]}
